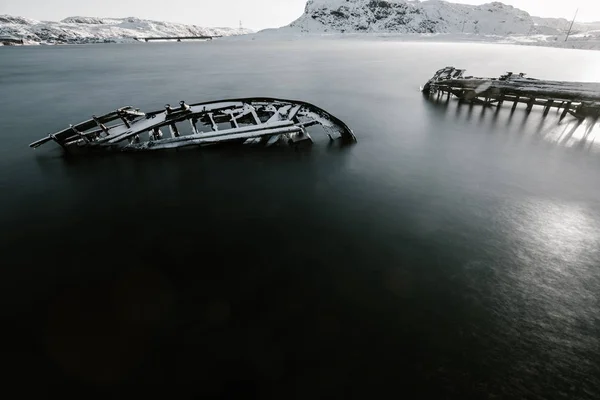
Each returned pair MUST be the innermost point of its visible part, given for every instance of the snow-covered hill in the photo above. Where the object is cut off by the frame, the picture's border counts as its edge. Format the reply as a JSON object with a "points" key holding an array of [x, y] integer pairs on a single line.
{"points": [[401, 16], [433, 16], [97, 30]]}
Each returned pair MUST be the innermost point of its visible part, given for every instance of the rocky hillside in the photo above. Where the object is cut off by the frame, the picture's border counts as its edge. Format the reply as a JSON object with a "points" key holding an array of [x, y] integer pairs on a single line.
{"points": [[401, 16], [78, 30], [433, 16]]}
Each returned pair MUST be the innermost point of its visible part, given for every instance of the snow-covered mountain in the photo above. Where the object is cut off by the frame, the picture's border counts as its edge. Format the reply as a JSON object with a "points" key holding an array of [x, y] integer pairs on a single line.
{"points": [[98, 30], [401, 16], [433, 16]]}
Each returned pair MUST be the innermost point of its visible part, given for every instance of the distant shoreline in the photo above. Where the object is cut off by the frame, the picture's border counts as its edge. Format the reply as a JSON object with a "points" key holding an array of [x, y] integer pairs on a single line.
{"points": [[534, 40], [286, 34]]}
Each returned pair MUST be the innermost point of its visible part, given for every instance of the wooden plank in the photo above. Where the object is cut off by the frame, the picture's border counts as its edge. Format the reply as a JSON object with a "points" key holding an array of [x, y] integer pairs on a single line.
{"points": [[101, 125], [214, 125], [215, 139], [193, 125], [158, 121], [226, 132], [174, 130], [532, 88], [256, 119], [125, 121], [85, 139], [294, 111], [40, 142]]}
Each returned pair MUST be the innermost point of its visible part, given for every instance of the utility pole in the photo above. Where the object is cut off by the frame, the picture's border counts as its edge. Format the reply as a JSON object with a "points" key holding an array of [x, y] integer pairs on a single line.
{"points": [[571, 27]]}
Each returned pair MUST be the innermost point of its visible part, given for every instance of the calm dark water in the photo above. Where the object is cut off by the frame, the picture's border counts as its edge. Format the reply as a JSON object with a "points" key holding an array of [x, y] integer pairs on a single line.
{"points": [[453, 252]]}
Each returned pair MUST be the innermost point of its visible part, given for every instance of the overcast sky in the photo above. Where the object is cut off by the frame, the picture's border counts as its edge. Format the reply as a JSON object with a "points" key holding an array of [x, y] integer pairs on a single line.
{"points": [[256, 14]]}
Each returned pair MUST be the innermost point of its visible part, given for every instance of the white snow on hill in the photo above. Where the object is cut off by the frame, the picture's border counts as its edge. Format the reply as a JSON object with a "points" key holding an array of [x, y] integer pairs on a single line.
{"points": [[433, 16], [97, 30], [403, 19], [401, 16], [492, 21]]}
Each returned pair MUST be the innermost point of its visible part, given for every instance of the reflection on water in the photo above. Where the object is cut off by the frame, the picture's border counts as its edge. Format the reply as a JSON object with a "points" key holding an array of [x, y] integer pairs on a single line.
{"points": [[570, 132], [554, 289], [558, 241]]}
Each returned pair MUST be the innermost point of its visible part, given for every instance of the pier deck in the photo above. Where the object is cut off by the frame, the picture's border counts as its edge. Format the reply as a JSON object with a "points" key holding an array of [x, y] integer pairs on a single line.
{"points": [[576, 98]]}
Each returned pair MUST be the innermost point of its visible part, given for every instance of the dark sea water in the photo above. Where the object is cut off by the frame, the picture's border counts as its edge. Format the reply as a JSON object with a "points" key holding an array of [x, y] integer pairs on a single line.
{"points": [[453, 252]]}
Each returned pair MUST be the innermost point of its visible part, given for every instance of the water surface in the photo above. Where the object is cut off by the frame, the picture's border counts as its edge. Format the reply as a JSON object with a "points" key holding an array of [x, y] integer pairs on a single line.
{"points": [[453, 252]]}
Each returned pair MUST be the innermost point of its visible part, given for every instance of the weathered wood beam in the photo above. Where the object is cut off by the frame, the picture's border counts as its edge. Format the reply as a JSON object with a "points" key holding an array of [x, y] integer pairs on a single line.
{"points": [[101, 125], [531, 88], [255, 116], [514, 107], [566, 110], [125, 121], [193, 122], [548, 105], [174, 130], [530, 104], [221, 137], [214, 125], [85, 139]]}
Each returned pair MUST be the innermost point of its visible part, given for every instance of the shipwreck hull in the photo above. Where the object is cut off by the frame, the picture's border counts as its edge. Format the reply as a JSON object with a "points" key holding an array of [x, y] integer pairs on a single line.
{"points": [[254, 121]]}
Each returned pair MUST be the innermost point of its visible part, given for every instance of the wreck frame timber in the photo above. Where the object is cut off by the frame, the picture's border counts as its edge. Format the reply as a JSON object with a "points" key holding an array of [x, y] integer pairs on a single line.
{"points": [[261, 120], [579, 99]]}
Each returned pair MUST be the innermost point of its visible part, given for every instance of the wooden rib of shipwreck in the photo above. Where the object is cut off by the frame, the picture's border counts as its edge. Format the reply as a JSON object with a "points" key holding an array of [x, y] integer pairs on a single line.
{"points": [[257, 121], [576, 98]]}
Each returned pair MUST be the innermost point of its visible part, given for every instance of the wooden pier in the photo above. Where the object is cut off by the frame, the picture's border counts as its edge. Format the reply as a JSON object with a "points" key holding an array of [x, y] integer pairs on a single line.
{"points": [[177, 38], [580, 100]]}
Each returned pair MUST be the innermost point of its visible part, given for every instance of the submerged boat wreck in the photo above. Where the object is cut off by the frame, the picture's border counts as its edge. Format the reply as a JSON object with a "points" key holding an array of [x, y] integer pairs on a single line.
{"points": [[576, 98], [255, 121]]}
